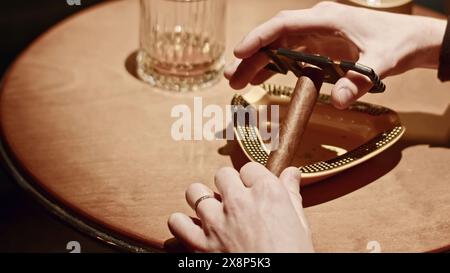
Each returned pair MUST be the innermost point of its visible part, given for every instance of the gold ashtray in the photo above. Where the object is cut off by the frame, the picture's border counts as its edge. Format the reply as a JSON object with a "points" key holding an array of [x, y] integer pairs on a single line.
{"points": [[335, 140]]}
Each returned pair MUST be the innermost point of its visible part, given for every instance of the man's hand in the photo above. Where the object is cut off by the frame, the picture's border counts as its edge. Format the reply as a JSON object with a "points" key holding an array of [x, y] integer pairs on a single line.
{"points": [[258, 212], [387, 42]]}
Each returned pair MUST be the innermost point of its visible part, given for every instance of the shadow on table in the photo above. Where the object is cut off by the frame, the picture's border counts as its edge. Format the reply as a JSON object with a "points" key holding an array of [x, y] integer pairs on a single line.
{"points": [[131, 65], [421, 129]]}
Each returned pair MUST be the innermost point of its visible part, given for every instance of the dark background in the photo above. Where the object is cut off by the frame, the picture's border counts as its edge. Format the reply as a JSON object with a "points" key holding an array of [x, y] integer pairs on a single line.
{"points": [[25, 226]]}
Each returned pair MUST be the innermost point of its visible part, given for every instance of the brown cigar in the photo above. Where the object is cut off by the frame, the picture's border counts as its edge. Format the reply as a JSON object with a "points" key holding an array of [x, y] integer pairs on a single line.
{"points": [[292, 128]]}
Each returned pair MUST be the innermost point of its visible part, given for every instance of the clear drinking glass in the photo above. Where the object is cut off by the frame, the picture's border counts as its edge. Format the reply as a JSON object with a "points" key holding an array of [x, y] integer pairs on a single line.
{"points": [[181, 43]]}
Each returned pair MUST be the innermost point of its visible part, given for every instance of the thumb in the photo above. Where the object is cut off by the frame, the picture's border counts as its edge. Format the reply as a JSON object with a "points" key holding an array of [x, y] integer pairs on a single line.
{"points": [[290, 177], [353, 85]]}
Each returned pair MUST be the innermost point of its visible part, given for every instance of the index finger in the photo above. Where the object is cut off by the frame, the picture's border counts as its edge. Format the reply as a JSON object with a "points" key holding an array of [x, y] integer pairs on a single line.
{"points": [[284, 23]]}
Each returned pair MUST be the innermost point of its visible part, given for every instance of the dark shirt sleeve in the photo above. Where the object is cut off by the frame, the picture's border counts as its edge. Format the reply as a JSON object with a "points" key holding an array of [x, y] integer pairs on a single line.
{"points": [[444, 58]]}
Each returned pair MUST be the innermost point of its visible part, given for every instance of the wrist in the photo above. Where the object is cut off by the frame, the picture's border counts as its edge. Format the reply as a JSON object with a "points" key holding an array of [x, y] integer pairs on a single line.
{"points": [[429, 36]]}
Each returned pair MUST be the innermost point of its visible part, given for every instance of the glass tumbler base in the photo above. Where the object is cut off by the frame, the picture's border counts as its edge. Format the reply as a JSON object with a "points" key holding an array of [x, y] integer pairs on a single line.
{"points": [[180, 82]]}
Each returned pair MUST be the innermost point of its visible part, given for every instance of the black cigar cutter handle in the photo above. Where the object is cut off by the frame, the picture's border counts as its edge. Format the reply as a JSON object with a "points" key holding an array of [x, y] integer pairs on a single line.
{"points": [[284, 60]]}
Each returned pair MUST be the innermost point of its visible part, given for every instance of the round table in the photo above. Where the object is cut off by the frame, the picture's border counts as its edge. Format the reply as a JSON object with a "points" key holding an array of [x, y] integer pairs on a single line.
{"points": [[92, 142]]}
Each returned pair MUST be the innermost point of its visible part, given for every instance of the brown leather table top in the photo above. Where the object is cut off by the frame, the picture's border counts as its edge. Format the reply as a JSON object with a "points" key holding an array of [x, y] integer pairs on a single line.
{"points": [[97, 140]]}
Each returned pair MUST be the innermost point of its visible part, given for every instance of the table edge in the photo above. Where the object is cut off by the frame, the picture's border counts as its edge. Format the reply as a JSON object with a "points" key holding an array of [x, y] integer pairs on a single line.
{"points": [[64, 213]]}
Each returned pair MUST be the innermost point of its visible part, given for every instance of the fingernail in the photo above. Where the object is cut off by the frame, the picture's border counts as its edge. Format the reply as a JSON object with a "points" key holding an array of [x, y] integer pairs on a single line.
{"points": [[231, 68], [296, 174], [345, 96]]}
